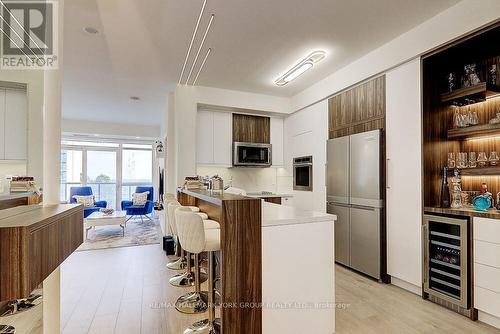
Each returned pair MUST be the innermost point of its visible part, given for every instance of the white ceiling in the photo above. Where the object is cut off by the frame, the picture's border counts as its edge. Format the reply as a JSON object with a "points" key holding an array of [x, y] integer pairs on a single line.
{"points": [[142, 45]]}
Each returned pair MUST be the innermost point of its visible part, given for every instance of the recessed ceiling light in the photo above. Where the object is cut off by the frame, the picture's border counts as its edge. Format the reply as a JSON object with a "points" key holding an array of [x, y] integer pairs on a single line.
{"points": [[96, 135], [137, 137], [91, 30], [135, 98], [301, 67]]}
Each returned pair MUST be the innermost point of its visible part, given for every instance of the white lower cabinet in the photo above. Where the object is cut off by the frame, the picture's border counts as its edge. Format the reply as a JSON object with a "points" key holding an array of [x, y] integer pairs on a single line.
{"points": [[487, 266], [287, 201]]}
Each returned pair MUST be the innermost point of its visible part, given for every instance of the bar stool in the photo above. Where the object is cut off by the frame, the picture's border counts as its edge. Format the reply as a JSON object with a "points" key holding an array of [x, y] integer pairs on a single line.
{"points": [[196, 239], [181, 262], [188, 278]]}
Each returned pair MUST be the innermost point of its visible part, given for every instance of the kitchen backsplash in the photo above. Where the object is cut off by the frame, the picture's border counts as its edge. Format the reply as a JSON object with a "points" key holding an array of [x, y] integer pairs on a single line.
{"points": [[272, 179]]}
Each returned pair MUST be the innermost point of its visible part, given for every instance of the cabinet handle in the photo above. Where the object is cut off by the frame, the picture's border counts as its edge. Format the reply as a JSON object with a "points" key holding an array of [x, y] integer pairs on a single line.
{"points": [[387, 185]]}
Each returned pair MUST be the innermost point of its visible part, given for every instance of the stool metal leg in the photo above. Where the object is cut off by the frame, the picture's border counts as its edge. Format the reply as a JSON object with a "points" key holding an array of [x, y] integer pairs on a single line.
{"points": [[187, 278], [179, 264], [193, 302], [6, 329], [210, 325]]}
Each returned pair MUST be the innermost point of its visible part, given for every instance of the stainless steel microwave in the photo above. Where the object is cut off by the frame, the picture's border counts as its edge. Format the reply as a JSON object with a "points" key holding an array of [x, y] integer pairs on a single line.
{"points": [[252, 154]]}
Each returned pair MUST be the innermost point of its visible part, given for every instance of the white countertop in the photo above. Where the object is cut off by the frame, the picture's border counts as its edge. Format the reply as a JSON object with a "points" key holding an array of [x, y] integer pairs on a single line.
{"points": [[259, 195], [275, 214]]}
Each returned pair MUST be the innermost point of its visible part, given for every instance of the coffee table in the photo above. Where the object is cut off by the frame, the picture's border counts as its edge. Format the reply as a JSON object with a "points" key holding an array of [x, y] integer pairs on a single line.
{"points": [[100, 219]]}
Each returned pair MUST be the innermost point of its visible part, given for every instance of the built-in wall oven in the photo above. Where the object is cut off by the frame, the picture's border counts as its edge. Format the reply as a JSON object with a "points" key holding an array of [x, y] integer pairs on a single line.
{"points": [[303, 173], [252, 154]]}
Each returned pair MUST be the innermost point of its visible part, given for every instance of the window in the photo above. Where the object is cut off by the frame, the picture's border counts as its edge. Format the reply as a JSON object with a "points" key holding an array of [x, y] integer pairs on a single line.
{"points": [[113, 170]]}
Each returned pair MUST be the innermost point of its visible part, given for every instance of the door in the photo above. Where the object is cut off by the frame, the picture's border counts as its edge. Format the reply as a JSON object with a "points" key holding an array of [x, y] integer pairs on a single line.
{"points": [[16, 125], [365, 240], [337, 178], [101, 176], [342, 232], [365, 169]]}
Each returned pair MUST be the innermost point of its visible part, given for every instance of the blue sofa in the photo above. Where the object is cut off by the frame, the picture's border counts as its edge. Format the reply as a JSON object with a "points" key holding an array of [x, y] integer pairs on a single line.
{"points": [[85, 191], [140, 210]]}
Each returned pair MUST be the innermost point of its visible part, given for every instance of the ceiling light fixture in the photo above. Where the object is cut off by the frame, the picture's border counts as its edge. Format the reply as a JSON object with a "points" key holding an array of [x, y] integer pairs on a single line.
{"points": [[135, 98], [201, 66], [91, 30], [192, 40], [301, 67], [201, 46]]}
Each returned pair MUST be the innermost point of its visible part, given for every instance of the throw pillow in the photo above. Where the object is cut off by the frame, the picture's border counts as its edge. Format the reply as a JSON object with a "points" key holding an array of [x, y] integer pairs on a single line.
{"points": [[87, 201], [140, 198]]}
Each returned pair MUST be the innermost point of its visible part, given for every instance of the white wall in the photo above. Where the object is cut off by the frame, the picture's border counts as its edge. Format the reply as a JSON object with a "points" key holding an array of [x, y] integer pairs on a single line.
{"points": [[252, 179], [185, 106], [34, 81], [306, 133], [110, 129], [450, 24]]}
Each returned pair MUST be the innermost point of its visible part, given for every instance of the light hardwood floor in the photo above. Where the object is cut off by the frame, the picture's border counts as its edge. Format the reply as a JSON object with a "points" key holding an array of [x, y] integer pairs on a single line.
{"points": [[126, 290]]}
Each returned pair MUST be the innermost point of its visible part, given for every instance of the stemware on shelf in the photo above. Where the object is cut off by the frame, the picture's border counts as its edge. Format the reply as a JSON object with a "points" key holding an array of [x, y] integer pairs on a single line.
{"points": [[494, 158], [451, 160], [472, 160], [462, 160], [482, 159]]}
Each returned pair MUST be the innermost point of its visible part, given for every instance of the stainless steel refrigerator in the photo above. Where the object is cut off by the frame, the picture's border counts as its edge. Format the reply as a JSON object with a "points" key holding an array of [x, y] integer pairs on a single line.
{"points": [[354, 195]]}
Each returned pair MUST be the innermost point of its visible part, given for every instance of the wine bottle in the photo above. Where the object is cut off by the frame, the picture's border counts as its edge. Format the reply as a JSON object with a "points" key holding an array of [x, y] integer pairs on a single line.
{"points": [[445, 190]]}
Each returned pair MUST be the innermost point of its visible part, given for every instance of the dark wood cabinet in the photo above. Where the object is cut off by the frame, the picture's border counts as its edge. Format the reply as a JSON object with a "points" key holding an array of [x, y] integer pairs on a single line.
{"points": [[357, 110], [34, 241], [251, 129]]}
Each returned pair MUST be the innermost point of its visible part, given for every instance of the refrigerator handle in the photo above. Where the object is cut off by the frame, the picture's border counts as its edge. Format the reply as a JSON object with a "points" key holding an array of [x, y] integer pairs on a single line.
{"points": [[387, 185]]}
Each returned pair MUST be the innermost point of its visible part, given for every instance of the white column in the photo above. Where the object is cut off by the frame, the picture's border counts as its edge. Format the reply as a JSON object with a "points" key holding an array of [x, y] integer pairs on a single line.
{"points": [[51, 175]]}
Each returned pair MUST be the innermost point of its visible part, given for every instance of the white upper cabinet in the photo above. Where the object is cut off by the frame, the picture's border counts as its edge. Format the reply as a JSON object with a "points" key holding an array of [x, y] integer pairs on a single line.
{"points": [[277, 141], [214, 138], [223, 138], [404, 183], [14, 123], [205, 137]]}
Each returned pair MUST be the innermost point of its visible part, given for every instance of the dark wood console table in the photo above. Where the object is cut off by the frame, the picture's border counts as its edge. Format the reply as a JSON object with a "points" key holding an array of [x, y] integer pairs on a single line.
{"points": [[240, 220], [34, 241]]}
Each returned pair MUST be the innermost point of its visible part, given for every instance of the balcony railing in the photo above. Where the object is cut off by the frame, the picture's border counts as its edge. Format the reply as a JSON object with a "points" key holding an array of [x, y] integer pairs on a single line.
{"points": [[104, 192]]}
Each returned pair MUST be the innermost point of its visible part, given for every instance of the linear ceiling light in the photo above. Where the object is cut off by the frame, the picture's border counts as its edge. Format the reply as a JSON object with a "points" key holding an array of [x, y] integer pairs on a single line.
{"points": [[201, 45], [192, 39], [201, 66], [304, 65]]}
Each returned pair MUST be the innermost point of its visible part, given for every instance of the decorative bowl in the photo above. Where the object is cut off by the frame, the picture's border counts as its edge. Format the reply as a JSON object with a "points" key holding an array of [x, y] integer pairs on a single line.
{"points": [[481, 202], [107, 211]]}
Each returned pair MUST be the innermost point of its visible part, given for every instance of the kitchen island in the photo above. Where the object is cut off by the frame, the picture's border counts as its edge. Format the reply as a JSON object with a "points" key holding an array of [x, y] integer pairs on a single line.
{"points": [[268, 256]]}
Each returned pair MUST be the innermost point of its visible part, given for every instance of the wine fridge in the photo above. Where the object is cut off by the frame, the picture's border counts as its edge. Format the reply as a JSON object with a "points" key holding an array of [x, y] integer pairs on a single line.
{"points": [[446, 264]]}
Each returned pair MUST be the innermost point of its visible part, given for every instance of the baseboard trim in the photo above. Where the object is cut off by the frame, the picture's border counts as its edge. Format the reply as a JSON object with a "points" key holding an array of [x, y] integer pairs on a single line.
{"points": [[489, 319], [406, 286]]}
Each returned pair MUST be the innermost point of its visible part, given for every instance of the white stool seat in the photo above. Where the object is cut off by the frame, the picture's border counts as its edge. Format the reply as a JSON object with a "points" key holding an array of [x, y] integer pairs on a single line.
{"points": [[194, 208], [203, 215], [210, 224], [212, 240]]}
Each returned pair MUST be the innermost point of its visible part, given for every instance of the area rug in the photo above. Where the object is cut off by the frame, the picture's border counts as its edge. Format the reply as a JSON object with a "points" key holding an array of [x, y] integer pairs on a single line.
{"points": [[137, 233]]}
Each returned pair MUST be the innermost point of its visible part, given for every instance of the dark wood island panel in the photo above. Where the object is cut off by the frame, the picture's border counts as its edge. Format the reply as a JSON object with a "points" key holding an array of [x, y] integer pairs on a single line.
{"points": [[240, 219], [34, 241]]}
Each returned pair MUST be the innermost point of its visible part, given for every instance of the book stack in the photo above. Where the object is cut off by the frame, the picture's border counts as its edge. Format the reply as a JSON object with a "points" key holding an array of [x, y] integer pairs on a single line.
{"points": [[192, 183], [21, 184]]}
